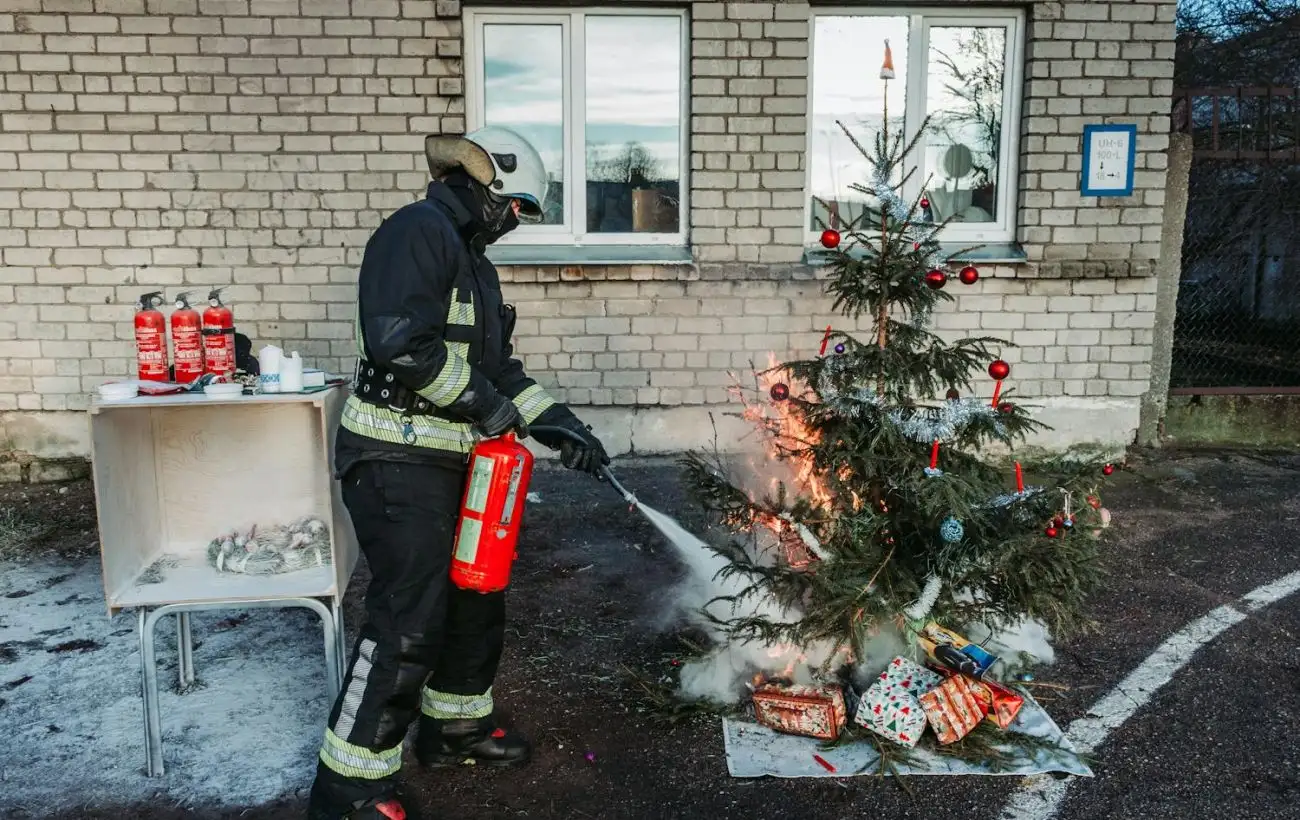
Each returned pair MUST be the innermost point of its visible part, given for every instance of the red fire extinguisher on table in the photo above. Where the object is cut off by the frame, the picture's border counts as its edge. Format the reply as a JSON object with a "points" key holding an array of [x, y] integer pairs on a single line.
{"points": [[187, 343], [150, 339], [490, 513], [218, 336]]}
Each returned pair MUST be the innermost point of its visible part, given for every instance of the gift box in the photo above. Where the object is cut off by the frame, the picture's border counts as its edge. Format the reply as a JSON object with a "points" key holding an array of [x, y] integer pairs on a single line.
{"points": [[952, 709], [891, 711], [913, 678], [814, 711], [890, 707], [949, 649], [999, 704]]}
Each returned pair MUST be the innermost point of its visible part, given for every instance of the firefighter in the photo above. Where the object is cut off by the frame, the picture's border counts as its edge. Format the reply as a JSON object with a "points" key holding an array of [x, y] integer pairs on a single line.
{"points": [[436, 372]]}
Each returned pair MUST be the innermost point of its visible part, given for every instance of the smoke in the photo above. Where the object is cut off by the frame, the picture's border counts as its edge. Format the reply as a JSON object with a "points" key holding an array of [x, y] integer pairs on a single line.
{"points": [[727, 671], [1028, 635]]}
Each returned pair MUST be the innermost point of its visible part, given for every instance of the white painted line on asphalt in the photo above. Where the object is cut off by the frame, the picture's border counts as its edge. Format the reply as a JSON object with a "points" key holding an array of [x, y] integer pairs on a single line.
{"points": [[1267, 594], [1041, 795]]}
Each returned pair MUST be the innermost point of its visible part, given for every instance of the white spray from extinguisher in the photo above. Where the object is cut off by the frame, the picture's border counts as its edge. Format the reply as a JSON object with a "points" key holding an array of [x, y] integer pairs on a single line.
{"points": [[703, 562]]}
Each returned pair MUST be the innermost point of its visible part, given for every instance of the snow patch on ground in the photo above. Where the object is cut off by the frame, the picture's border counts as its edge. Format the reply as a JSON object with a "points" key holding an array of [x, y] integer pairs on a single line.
{"points": [[72, 719]]}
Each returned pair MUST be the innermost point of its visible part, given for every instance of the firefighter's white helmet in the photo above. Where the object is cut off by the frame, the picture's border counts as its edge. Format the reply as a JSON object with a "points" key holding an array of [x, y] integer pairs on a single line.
{"points": [[499, 158]]}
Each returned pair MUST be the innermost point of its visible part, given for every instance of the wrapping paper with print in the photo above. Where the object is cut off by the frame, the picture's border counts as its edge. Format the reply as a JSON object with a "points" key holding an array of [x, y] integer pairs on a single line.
{"points": [[952, 709], [999, 704], [915, 679], [814, 711], [891, 711]]}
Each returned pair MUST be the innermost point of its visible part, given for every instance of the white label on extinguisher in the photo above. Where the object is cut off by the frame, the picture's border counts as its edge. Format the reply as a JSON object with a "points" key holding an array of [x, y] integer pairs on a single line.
{"points": [[512, 496], [480, 480], [467, 540]]}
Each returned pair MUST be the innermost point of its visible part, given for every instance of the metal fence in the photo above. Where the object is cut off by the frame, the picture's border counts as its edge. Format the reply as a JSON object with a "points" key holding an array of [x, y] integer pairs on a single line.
{"points": [[1238, 321]]}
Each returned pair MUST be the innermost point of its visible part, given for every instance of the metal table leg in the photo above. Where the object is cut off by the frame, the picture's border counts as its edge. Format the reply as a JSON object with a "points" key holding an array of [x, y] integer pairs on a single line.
{"points": [[184, 652], [340, 641], [148, 621]]}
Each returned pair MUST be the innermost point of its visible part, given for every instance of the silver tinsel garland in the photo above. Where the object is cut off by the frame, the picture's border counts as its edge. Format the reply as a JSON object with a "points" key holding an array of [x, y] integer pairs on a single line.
{"points": [[923, 424]]}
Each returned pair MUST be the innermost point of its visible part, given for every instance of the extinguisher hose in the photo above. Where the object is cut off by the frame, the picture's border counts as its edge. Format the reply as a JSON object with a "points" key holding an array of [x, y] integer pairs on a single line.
{"points": [[604, 470]]}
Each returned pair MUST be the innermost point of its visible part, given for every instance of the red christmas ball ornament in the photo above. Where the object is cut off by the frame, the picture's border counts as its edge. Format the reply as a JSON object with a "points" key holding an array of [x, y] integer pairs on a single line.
{"points": [[830, 238], [999, 369], [1094, 502], [1058, 522], [780, 392], [969, 275], [952, 394], [1006, 408], [1108, 469], [925, 202], [1051, 532], [936, 278]]}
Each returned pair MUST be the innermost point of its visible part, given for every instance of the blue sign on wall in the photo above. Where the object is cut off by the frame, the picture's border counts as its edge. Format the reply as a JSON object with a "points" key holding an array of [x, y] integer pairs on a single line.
{"points": [[1109, 160]]}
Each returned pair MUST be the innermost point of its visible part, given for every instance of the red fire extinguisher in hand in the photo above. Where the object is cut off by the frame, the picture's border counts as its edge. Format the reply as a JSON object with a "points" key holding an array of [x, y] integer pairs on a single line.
{"points": [[150, 339], [218, 336], [490, 513], [492, 508], [187, 343]]}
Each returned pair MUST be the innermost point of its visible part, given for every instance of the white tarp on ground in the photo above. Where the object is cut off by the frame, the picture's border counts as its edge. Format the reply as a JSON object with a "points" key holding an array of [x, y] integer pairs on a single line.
{"points": [[755, 751], [72, 721]]}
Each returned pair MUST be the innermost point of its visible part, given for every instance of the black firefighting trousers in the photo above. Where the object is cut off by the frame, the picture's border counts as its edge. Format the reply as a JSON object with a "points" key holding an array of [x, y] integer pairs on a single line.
{"points": [[427, 647]]}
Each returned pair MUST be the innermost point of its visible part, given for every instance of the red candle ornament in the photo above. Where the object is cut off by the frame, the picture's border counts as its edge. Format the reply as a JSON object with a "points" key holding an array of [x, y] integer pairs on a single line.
{"points": [[997, 391], [934, 455], [1020, 479], [825, 338]]}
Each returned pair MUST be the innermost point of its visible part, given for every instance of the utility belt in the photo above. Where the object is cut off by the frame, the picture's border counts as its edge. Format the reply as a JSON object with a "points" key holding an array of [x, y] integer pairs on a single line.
{"points": [[373, 384]]}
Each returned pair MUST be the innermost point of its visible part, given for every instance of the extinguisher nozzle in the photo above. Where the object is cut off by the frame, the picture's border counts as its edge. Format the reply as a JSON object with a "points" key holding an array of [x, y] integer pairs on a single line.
{"points": [[613, 482]]}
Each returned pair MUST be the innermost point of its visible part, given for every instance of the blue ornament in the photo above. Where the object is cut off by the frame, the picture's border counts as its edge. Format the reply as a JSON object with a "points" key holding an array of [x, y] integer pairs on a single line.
{"points": [[839, 348], [1025, 677], [951, 530]]}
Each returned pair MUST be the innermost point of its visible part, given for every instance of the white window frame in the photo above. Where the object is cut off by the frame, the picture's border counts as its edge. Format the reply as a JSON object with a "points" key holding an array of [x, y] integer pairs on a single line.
{"points": [[572, 21], [922, 19]]}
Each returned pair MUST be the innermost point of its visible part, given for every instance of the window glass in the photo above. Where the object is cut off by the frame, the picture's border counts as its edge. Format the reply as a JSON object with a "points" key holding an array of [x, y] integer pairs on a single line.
{"points": [[846, 86], [633, 107], [966, 77], [523, 89]]}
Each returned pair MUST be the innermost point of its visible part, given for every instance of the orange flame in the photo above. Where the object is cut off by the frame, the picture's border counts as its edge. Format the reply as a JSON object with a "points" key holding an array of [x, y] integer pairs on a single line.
{"points": [[786, 428]]}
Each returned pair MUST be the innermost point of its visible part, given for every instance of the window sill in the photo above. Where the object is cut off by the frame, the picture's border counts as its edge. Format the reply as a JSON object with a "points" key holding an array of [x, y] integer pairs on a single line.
{"points": [[1009, 253], [589, 255]]}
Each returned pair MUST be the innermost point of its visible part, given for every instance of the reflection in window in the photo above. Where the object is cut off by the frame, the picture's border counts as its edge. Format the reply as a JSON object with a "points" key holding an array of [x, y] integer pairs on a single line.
{"points": [[848, 53], [964, 101], [633, 124], [523, 89]]}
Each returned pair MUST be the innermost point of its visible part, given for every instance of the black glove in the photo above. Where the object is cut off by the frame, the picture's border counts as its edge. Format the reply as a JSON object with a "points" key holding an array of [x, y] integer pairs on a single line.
{"points": [[588, 457], [487, 409], [501, 417], [584, 453]]}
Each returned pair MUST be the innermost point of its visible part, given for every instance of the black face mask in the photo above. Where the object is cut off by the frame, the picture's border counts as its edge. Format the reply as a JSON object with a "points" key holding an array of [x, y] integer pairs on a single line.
{"points": [[492, 215]]}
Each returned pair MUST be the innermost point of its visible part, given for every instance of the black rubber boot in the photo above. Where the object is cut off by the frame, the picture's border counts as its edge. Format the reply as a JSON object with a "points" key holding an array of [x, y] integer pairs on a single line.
{"points": [[469, 742], [335, 797]]}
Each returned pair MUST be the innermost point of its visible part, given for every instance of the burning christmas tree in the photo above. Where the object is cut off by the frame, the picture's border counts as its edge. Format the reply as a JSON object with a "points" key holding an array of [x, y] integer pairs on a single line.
{"points": [[889, 523]]}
